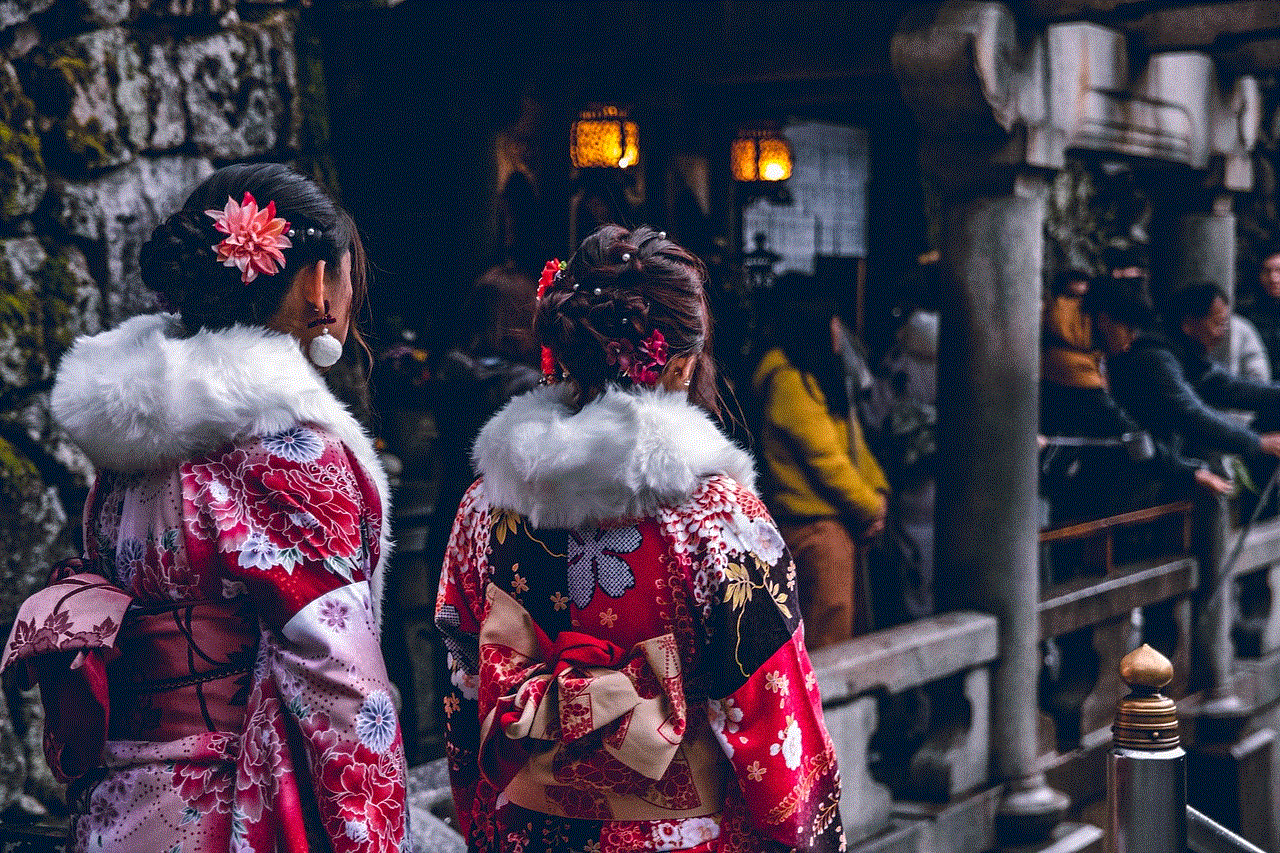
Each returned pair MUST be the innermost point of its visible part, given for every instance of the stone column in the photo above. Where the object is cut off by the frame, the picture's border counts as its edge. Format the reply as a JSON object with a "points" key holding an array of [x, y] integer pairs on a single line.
{"points": [[987, 525], [1203, 248]]}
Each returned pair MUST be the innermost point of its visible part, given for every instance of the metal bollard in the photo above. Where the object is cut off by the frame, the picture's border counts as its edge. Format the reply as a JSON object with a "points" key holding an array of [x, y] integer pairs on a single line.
{"points": [[1147, 769]]}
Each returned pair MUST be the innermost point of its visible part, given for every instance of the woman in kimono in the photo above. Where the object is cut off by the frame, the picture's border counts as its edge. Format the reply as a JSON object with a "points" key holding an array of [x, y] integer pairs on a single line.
{"points": [[627, 656], [211, 668]]}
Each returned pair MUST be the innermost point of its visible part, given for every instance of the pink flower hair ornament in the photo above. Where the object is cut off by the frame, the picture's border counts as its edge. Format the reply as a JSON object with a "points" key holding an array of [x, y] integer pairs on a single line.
{"points": [[641, 364], [254, 237]]}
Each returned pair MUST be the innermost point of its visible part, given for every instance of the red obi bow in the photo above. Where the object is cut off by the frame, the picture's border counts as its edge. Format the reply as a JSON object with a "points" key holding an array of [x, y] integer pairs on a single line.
{"points": [[562, 690]]}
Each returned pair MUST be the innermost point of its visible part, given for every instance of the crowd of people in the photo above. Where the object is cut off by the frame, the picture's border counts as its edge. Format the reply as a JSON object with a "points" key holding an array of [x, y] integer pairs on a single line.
{"points": [[627, 612], [1193, 376]]}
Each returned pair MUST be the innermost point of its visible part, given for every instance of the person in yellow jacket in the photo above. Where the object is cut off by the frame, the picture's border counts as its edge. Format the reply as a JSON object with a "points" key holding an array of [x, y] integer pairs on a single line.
{"points": [[823, 486]]}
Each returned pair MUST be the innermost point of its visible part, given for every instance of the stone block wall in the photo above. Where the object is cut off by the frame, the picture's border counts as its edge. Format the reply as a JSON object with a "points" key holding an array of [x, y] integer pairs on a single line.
{"points": [[110, 111]]}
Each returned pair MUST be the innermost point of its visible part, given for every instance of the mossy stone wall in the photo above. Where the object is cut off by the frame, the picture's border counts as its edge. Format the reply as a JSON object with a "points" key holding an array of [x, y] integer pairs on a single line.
{"points": [[110, 111]]}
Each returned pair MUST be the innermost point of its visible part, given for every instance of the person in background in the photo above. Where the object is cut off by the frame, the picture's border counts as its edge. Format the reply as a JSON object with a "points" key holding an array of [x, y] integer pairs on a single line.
{"points": [[494, 359], [1250, 360], [1168, 384], [821, 482], [902, 421], [211, 667], [1071, 382], [628, 659], [1264, 312]]}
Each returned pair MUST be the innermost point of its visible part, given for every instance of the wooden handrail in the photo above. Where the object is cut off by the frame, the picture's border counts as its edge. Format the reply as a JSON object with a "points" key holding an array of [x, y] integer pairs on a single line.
{"points": [[1081, 529]]}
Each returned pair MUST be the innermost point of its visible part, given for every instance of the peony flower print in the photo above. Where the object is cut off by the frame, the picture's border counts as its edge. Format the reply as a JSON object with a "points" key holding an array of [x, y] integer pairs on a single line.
{"points": [[754, 536], [128, 560], [259, 552], [595, 559], [376, 722]]}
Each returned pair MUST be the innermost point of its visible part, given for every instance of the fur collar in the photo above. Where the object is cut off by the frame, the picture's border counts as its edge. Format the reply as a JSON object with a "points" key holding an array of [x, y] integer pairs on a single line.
{"points": [[622, 456], [142, 396]]}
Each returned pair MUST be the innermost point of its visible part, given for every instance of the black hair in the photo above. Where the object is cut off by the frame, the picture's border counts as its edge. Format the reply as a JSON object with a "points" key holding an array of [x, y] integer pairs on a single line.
{"points": [[1065, 276], [625, 284], [1193, 302], [180, 261], [1120, 299]]}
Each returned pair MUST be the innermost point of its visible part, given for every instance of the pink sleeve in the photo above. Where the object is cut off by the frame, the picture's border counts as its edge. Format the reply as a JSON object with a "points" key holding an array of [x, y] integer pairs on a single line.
{"points": [[290, 519]]}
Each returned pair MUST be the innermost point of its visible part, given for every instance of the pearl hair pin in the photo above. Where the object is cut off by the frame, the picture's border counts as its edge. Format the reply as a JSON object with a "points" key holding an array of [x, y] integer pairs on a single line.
{"points": [[626, 256]]}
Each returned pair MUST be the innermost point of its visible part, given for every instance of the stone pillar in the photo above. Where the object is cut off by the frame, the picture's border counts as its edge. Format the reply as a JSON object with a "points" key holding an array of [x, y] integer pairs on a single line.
{"points": [[1203, 248], [989, 365]]}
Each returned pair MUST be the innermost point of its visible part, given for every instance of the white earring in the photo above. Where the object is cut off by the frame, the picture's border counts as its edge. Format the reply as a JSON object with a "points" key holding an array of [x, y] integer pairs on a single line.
{"points": [[324, 349]]}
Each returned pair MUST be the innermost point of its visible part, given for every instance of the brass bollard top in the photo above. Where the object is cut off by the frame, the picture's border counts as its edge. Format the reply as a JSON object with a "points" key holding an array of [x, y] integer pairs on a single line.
{"points": [[1145, 719]]}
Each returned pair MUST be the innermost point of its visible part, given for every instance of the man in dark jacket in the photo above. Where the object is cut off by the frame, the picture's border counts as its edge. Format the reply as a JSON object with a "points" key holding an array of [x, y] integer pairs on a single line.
{"points": [[1168, 383]]}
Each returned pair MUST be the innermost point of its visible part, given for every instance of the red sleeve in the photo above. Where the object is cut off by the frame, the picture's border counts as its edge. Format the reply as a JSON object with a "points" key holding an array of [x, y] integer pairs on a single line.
{"points": [[764, 703]]}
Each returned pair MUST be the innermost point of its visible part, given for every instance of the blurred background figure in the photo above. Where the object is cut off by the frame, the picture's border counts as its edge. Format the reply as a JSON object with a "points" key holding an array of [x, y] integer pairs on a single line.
{"points": [[1071, 382], [826, 490], [1264, 312], [902, 419]]}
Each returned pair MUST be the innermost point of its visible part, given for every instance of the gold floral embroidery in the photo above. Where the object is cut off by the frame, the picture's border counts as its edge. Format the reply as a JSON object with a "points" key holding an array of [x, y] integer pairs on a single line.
{"points": [[778, 683], [738, 585], [560, 601], [779, 596], [755, 772], [608, 617], [790, 804], [451, 704], [518, 583], [504, 521]]}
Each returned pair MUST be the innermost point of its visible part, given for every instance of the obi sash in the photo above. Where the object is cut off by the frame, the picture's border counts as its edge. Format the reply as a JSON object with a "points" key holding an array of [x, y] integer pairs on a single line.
{"points": [[580, 727], [63, 639]]}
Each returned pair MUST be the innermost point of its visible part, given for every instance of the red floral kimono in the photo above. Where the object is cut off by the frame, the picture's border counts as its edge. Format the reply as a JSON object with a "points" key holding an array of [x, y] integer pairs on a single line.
{"points": [[211, 668], [637, 683]]}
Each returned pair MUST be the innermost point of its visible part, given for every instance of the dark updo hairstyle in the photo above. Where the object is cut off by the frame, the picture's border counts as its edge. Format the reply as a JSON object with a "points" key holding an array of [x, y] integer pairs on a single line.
{"points": [[1121, 299], [602, 297], [180, 262]]}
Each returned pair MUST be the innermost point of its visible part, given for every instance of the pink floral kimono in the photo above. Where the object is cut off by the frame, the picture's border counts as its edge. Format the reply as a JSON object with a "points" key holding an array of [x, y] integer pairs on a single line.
{"points": [[626, 649], [211, 668]]}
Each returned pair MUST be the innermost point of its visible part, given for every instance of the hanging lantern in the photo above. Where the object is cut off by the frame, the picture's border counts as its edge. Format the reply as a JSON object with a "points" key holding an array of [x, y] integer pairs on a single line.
{"points": [[604, 137], [760, 154]]}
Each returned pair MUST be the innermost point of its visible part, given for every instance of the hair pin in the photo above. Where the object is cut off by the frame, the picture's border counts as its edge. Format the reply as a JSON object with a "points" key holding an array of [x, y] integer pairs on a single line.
{"points": [[662, 235], [597, 291], [626, 256]]}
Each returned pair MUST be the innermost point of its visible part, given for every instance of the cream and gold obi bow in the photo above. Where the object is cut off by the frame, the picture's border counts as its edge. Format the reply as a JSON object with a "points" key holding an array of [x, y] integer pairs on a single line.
{"points": [[559, 691]]}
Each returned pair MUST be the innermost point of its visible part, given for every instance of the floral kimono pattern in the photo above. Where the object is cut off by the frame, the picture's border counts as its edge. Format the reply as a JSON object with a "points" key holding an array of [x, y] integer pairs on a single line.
{"points": [[239, 675], [658, 696]]}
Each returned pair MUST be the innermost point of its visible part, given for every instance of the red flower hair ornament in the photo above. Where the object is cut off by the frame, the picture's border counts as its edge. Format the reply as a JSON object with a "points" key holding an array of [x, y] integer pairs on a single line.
{"points": [[254, 237], [550, 270], [641, 364]]}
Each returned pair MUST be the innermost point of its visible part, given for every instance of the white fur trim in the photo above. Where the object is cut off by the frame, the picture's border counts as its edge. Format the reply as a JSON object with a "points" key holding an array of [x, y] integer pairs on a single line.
{"points": [[623, 455], [141, 397]]}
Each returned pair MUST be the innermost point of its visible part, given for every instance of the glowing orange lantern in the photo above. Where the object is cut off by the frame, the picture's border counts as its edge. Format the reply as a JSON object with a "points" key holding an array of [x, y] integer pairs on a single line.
{"points": [[604, 137]]}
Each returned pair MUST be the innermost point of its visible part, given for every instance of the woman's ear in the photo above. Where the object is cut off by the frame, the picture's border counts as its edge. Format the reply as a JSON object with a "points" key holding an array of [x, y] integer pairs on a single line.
{"points": [[678, 371], [312, 283]]}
